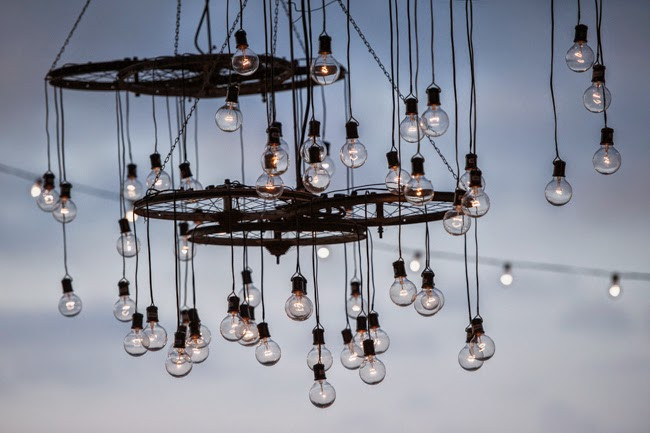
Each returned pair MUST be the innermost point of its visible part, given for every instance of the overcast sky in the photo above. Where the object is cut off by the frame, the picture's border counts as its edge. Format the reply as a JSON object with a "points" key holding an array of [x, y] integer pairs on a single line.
{"points": [[568, 359]]}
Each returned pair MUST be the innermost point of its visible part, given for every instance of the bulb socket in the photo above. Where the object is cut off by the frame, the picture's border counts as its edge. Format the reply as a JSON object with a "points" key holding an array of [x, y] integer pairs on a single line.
{"points": [[299, 284], [598, 74], [233, 304], [240, 39], [232, 94], [137, 321], [318, 335], [251, 312], [606, 137], [185, 316], [468, 334], [319, 372], [417, 166], [156, 162], [314, 128], [324, 44], [246, 276], [277, 125], [458, 197], [314, 154], [65, 190], [362, 323], [581, 34], [245, 311], [355, 288], [48, 181], [179, 338], [273, 134], [411, 106], [427, 279], [183, 228], [559, 168], [347, 336], [66, 284], [477, 326], [123, 287], [124, 225], [263, 329], [368, 347], [351, 130], [471, 161], [152, 313], [185, 170], [507, 268], [433, 96], [399, 270], [195, 329], [475, 178], [373, 320], [393, 159], [615, 278], [193, 315], [131, 171]]}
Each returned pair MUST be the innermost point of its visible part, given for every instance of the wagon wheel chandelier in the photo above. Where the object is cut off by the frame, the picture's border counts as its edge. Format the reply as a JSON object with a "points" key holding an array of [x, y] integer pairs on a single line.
{"points": [[273, 216]]}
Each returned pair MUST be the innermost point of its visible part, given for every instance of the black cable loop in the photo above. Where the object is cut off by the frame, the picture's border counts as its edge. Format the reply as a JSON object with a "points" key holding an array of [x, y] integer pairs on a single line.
{"points": [[128, 127], [417, 64], [578, 11], [65, 251], [408, 25], [64, 175], [557, 149], [137, 261], [324, 32], [372, 272], [348, 80], [47, 127], [433, 63], [478, 291], [149, 255], [392, 76], [155, 123], [193, 276], [241, 14], [120, 176], [345, 285]]}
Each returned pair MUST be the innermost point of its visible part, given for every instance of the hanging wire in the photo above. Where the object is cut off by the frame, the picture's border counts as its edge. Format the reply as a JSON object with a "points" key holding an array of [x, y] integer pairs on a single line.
{"points": [[345, 285], [47, 127], [196, 141], [578, 11], [453, 73], [178, 300], [58, 135], [433, 63], [469, 302], [476, 257], [348, 80], [128, 127], [599, 50], [148, 220], [65, 250], [557, 149]]}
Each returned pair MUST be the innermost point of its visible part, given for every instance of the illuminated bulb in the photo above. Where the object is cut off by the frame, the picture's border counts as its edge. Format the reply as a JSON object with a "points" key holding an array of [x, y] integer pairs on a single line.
{"points": [[354, 303], [410, 129], [124, 308], [132, 189], [70, 303], [328, 163], [250, 333], [607, 160], [415, 265], [316, 179], [49, 197], [321, 394], [476, 202], [597, 97], [372, 371], [324, 68], [419, 189], [480, 346], [323, 252], [376, 334], [249, 293], [244, 62], [313, 140], [471, 163], [179, 361], [232, 327], [130, 215], [135, 339], [434, 121], [36, 189], [397, 179], [558, 191], [229, 118], [506, 277], [198, 339], [186, 250], [267, 351], [127, 244], [580, 56], [319, 354], [351, 355], [455, 221], [269, 187], [429, 300], [157, 334], [163, 181], [615, 291], [188, 182], [65, 211], [298, 307], [353, 153], [362, 331], [275, 160], [402, 291], [465, 358]]}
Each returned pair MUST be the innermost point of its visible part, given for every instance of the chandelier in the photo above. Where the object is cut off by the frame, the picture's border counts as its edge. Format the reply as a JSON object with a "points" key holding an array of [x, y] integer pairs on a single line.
{"points": [[274, 216]]}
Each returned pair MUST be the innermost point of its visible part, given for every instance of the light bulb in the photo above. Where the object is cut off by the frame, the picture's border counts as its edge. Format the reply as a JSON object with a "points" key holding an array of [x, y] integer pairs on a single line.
{"points": [[244, 62], [396, 180], [402, 291], [188, 182], [597, 97], [267, 351], [580, 56], [269, 187], [130, 215], [249, 293], [199, 335], [362, 331], [471, 163], [414, 264], [464, 181], [69, 303], [275, 160], [65, 211], [185, 250], [480, 346], [409, 128], [351, 355], [615, 291], [124, 307], [157, 334], [607, 160], [319, 353], [316, 179], [48, 199], [127, 244], [324, 68], [429, 300], [323, 252], [321, 394], [376, 334], [354, 303], [232, 327], [298, 307], [419, 189], [36, 189], [353, 153], [229, 118], [558, 191], [164, 181], [198, 354], [372, 371], [506, 278], [178, 362], [132, 189], [135, 339], [434, 121], [250, 333], [309, 143], [455, 221], [476, 202], [328, 164], [465, 358]]}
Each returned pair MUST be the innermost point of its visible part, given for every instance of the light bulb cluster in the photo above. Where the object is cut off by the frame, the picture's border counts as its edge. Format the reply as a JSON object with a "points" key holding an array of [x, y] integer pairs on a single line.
{"points": [[48, 199], [360, 351], [478, 347]]}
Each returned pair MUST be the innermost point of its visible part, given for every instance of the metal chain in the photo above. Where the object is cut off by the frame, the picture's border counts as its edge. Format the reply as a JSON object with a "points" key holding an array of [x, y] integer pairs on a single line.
{"points": [[275, 28], [178, 26], [444, 160], [67, 39]]}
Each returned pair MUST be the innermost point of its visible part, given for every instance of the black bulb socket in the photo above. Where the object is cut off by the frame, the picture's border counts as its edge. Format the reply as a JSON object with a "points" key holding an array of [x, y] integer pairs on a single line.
{"points": [[347, 336], [195, 329], [183, 228], [124, 225], [179, 338], [598, 74], [193, 314], [314, 128], [606, 136], [458, 197], [277, 125], [319, 372], [468, 334], [232, 94], [185, 170], [273, 134], [185, 317], [270, 162], [427, 279], [263, 329], [66, 284], [324, 44], [152, 313], [433, 96], [399, 270], [355, 288], [233, 304], [48, 181], [137, 321], [299, 284], [477, 326], [123, 287], [362, 323], [245, 311], [131, 171], [156, 162], [65, 190], [351, 130], [240, 38], [615, 278], [246, 276], [417, 166], [314, 154], [411, 106], [559, 168], [373, 320], [581, 34], [393, 159], [475, 178], [318, 335], [471, 161], [368, 347]]}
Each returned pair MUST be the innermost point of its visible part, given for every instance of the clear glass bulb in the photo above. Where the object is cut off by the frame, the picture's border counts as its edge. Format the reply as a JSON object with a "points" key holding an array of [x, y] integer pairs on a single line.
{"points": [[157, 336], [353, 153], [232, 327], [455, 221], [133, 189], [124, 308], [468, 361], [325, 69], [298, 307], [36, 189], [310, 142], [328, 164], [326, 357], [267, 352], [198, 354], [354, 305], [419, 190], [48, 199], [558, 191], [476, 202], [482, 347], [464, 181], [580, 57], [253, 295], [358, 338], [506, 278], [380, 339], [597, 97], [429, 301], [128, 245], [403, 292], [190, 184], [316, 179], [269, 187], [607, 160], [245, 62], [163, 183], [186, 249], [434, 121], [134, 342], [615, 291], [351, 356], [278, 160], [250, 334], [229, 118], [396, 180], [202, 340], [322, 394], [372, 371], [131, 216], [178, 362], [409, 128], [69, 304], [65, 211]]}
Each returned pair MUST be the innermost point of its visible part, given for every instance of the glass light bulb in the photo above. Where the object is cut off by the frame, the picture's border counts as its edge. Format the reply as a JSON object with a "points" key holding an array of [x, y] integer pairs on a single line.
{"points": [[476, 202], [468, 361], [506, 278], [275, 160], [163, 183], [607, 160], [351, 356], [434, 121], [190, 184], [353, 153], [69, 304], [323, 252], [464, 181], [481, 347], [36, 189], [409, 128], [157, 336], [415, 265], [429, 302], [372, 371], [178, 362], [403, 292], [328, 164], [134, 342], [354, 305], [325, 358], [358, 338], [597, 98], [198, 354], [380, 339], [65, 211], [455, 221], [245, 62], [322, 394], [269, 187], [267, 352], [558, 191], [229, 118], [133, 189], [615, 291], [124, 308], [131, 216], [298, 307], [419, 190], [396, 180], [253, 295], [580, 57], [316, 179], [128, 245], [186, 249], [250, 334], [232, 327], [310, 142], [325, 69], [48, 199], [202, 340]]}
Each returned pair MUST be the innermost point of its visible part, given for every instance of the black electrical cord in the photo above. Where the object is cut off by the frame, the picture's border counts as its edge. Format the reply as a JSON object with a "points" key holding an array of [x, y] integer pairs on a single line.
{"points": [[557, 149]]}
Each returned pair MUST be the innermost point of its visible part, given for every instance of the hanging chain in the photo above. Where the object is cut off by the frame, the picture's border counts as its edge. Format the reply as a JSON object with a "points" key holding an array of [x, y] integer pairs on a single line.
{"points": [[178, 26], [67, 39], [275, 28]]}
